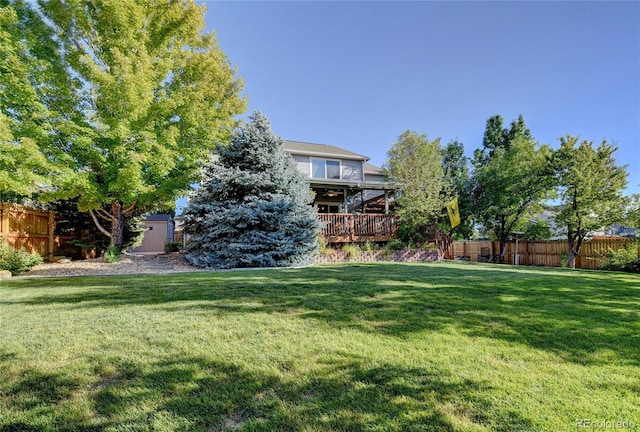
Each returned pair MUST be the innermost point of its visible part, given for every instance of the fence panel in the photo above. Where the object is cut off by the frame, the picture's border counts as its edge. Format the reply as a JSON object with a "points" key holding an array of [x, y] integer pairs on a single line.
{"points": [[544, 253], [28, 228]]}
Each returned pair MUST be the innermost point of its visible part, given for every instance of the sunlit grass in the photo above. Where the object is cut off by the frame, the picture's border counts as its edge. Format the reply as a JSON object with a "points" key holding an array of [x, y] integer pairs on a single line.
{"points": [[388, 347]]}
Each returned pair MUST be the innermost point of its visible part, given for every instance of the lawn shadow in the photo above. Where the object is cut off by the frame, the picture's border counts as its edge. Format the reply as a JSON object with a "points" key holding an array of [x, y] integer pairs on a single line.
{"points": [[342, 393], [576, 315]]}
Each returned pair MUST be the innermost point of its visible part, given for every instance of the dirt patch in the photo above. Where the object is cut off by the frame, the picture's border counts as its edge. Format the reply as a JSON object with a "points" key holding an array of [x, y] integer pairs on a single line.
{"points": [[128, 264]]}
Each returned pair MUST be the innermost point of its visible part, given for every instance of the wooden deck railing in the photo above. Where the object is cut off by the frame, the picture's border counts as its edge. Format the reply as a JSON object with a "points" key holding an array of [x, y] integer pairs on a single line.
{"points": [[355, 227]]}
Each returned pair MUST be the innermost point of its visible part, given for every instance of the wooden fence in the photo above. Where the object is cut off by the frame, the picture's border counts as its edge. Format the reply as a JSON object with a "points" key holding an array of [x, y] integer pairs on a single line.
{"points": [[28, 228], [544, 253]]}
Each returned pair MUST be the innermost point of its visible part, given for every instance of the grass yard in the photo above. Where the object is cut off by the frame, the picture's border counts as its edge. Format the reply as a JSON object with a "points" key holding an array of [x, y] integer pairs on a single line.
{"points": [[380, 347]]}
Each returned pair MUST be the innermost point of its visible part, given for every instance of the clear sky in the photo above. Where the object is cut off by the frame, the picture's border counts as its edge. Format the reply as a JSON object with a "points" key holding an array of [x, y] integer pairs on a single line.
{"points": [[358, 74]]}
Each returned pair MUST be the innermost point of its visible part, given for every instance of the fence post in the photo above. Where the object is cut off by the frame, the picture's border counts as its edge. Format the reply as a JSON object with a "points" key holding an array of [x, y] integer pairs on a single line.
{"points": [[51, 228], [4, 223]]}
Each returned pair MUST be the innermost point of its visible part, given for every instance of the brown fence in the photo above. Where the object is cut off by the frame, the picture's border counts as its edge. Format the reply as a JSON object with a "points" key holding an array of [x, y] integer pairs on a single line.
{"points": [[543, 253], [28, 228]]}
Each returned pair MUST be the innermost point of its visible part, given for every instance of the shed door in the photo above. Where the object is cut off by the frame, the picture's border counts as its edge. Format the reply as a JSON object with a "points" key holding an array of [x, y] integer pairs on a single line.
{"points": [[155, 237]]}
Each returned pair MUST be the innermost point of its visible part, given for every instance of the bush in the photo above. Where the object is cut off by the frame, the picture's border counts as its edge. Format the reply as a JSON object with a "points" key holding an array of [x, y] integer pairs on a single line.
{"points": [[17, 261], [395, 244], [351, 250], [173, 247], [625, 259], [112, 254], [369, 246]]}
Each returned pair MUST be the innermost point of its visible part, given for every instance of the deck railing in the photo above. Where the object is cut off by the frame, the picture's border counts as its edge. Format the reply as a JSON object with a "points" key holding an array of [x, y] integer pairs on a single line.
{"points": [[355, 227]]}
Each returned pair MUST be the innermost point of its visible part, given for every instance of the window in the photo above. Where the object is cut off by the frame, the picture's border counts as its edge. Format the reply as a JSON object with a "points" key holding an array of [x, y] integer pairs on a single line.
{"points": [[328, 208], [333, 170], [322, 168]]}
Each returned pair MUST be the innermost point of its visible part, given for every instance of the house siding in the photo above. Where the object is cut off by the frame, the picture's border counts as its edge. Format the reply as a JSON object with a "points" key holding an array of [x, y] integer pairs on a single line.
{"points": [[303, 163], [352, 170], [374, 178]]}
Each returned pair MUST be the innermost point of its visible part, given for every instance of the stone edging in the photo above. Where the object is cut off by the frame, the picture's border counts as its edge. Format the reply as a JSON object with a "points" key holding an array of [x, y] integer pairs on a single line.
{"points": [[405, 255]]}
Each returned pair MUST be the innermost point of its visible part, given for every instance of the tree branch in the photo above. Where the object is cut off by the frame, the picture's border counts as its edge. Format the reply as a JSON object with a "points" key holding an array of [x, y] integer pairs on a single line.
{"points": [[104, 214], [130, 208], [95, 220]]}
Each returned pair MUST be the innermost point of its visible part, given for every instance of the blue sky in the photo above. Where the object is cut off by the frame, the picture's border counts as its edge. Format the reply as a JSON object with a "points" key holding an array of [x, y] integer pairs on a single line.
{"points": [[358, 74]]}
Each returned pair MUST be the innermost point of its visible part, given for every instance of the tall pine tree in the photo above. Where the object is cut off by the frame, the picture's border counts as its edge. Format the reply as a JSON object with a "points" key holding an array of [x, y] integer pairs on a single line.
{"points": [[252, 208]]}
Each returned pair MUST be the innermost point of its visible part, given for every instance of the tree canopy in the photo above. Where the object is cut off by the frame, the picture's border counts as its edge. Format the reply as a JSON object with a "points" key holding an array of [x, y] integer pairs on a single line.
{"points": [[149, 96], [36, 96], [591, 186], [415, 162], [457, 184], [253, 208], [511, 175]]}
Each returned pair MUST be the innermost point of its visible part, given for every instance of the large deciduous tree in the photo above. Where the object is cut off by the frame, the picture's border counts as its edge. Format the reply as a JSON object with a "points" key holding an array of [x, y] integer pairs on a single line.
{"points": [[36, 97], [153, 94], [512, 173], [591, 186], [415, 162], [253, 208]]}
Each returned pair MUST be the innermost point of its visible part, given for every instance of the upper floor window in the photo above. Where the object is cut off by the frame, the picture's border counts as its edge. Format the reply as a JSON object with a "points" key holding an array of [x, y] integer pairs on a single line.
{"points": [[326, 169]]}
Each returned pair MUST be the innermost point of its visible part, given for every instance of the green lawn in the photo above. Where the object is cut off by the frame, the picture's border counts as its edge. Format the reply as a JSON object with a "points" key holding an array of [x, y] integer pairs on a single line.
{"points": [[385, 347]]}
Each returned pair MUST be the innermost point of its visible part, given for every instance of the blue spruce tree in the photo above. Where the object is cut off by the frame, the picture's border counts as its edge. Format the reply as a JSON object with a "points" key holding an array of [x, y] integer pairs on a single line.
{"points": [[252, 208]]}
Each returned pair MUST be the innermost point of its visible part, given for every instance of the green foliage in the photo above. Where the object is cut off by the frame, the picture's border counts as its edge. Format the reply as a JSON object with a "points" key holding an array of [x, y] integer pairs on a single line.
{"points": [[112, 254], [536, 230], [457, 184], [17, 261], [591, 186], [34, 100], [415, 162], [369, 246], [253, 208], [351, 250], [625, 259], [511, 176], [173, 247], [73, 222], [632, 215], [149, 96], [395, 244]]}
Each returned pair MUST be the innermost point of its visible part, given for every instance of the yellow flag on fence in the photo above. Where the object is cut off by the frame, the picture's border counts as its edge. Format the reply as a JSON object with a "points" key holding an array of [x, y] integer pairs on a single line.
{"points": [[454, 214]]}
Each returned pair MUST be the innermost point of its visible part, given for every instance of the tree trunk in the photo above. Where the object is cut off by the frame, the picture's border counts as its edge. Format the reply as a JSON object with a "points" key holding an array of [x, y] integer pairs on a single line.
{"points": [[117, 225], [571, 258]]}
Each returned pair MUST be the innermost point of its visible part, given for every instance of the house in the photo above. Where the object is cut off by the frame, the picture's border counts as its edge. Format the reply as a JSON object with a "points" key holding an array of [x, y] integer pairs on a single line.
{"points": [[343, 181], [159, 230], [352, 196]]}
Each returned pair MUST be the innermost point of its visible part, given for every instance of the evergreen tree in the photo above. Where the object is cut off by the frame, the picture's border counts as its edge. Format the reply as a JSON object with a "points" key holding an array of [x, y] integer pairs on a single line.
{"points": [[252, 208]]}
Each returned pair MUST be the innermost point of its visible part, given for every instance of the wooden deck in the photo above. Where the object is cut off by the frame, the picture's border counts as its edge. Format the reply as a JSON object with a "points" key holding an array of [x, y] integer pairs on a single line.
{"points": [[356, 227]]}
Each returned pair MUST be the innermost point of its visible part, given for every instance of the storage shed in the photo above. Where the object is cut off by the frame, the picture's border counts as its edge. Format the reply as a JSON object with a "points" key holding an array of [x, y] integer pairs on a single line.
{"points": [[159, 232]]}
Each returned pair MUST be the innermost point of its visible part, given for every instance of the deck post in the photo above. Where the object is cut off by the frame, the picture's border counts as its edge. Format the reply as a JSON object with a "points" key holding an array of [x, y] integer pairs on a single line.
{"points": [[386, 202]]}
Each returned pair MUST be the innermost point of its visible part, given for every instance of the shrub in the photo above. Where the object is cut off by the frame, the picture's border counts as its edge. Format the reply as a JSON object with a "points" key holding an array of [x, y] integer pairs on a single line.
{"points": [[17, 261], [368, 246], [625, 259], [351, 250], [173, 247], [112, 254], [323, 247], [395, 244]]}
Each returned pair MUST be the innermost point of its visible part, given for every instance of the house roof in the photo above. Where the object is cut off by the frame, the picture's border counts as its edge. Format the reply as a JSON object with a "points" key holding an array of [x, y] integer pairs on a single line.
{"points": [[322, 150], [158, 217], [372, 169]]}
